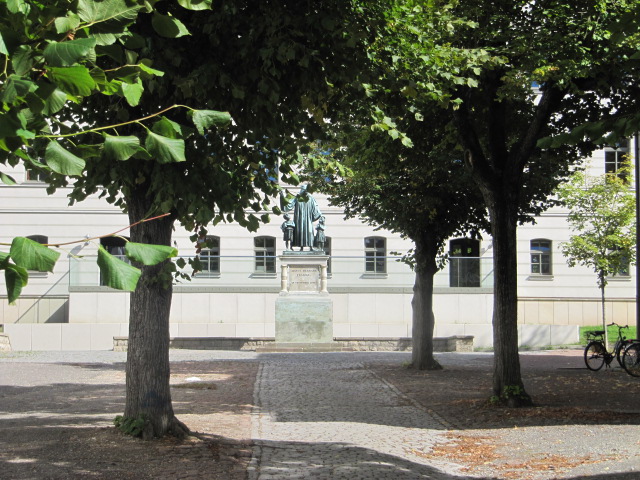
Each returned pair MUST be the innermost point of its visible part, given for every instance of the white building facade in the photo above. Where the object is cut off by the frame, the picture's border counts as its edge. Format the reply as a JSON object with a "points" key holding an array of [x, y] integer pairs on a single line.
{"points": [[234, 297]]}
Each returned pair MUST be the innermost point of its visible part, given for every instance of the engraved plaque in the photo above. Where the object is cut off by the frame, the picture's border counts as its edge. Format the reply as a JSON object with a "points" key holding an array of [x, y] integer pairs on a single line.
{"points": [[304, 278]]}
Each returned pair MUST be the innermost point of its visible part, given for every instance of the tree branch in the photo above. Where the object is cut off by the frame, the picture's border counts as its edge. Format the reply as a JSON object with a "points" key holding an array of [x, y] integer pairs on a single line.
{"points": [[468, 137], [84, 240], [522, 151]]}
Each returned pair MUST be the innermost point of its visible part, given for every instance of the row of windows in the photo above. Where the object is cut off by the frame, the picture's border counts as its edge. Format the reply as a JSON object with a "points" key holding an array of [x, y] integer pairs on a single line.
{"points": [[465, 272], [265, 254]]}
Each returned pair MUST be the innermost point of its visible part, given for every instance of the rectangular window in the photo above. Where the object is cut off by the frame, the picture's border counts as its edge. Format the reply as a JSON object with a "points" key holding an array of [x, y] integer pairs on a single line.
{"points": [[265, 254], [616, 157], [623, 262], [464, 263], [375, 252], [541, 257], [37, 176], [209, 255]]}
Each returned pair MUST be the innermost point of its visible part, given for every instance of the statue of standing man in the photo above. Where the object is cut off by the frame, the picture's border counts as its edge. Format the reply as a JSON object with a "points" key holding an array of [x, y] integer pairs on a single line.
{"points": [[305, 212]]}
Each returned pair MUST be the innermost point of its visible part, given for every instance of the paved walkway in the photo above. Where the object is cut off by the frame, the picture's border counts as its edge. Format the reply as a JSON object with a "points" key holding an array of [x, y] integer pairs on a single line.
{"points": [[315, 416], [330, 418], [320, 416]]}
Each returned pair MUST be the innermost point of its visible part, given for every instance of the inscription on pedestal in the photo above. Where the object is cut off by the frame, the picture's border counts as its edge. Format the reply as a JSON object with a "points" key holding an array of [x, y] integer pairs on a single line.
{"points": [[304, 279]]}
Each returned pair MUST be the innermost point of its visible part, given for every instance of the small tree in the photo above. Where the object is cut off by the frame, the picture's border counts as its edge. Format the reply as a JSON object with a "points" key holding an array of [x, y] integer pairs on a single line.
{"points": [[423, 193], [602, 212]]}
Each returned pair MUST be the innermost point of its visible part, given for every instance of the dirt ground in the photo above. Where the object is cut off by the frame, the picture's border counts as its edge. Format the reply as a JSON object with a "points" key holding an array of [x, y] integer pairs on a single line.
{"points": [[65, 430], [581, 419]]}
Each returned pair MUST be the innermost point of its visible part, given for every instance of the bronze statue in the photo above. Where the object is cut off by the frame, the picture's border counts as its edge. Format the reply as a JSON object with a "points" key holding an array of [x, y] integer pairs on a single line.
{"points": [[305, 212]]}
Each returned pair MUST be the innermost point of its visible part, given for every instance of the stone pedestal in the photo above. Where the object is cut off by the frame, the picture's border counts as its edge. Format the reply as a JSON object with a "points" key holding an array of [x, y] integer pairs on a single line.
{"points": [[304, 311]]}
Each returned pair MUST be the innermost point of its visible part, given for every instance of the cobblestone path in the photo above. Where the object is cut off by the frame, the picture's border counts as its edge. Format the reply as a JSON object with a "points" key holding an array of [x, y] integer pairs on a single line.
{"points": [[331, 418]]}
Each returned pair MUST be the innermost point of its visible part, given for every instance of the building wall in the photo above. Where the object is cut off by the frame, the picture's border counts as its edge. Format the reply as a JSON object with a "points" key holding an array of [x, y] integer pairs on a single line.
{"points": [[241, 304]]}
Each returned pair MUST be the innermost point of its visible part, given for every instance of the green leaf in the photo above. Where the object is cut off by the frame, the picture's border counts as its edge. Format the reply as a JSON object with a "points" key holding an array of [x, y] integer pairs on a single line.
{"points": [[22, 60], [116, 13], [196, 4], [15, 277], [147, 68], [165, 150], [116, 273], [9, 125], [204, 119], [3, 46], [103, 84], [121, 148], [149, 254], [54, 98], [407, 142], [31, 255], [68, 23], [167, 128], [75, 80], [6, 179], [65, 54], [15, 88], [169, 27], [62, 161], [18, 6], [132, 92]]}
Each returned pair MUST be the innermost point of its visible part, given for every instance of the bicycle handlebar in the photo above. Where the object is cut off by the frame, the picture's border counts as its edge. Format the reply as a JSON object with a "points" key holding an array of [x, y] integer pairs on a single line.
{"points": [[619, 326]]}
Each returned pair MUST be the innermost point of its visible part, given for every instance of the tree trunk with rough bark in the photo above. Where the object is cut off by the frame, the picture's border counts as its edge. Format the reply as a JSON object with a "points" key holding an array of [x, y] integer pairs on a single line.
{"points": [[148, 395], [507, 379], [422, 305]]}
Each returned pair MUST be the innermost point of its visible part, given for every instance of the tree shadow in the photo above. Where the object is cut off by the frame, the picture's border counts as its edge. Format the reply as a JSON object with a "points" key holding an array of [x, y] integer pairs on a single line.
{"points": [[565, 392], [304, 460], [64, 452]]}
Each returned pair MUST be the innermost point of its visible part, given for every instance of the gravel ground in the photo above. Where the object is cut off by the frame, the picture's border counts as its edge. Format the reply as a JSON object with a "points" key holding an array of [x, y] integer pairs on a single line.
{"points": [[255, 410]]}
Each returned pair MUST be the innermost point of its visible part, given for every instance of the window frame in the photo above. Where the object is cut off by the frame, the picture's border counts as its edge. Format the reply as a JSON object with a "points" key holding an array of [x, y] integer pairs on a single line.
{"points": [[616, 157], [264, 255], [206, 253], [538, 250], [36, 176], [375, 256], [464, 263]]}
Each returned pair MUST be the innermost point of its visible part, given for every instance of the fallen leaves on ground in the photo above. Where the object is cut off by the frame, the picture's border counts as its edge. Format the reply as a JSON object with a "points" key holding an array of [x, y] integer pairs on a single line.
{"points": [[477, 454]]}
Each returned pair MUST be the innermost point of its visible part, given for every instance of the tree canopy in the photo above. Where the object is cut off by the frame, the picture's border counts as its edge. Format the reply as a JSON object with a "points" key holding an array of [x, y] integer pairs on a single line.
{"points": [[421, 192], [57, 55], [512, 74], [276, 69]]}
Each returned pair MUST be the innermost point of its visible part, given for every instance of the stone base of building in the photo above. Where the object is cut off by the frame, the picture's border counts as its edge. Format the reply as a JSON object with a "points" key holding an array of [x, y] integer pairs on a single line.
{"points": [[444, 344]]}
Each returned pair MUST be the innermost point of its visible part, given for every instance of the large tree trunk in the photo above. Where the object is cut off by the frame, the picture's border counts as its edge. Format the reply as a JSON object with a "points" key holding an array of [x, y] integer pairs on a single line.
{"points": [[422, 305], [148, 395], [507, 379]]}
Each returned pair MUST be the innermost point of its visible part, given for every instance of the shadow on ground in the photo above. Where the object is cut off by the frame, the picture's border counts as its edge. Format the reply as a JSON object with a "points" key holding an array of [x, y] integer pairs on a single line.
{"points": [[565, 392]]}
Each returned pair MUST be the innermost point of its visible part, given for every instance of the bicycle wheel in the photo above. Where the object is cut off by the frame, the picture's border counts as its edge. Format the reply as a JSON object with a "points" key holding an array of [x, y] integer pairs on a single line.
{"points": [[619, 350], [594, 355], [631, 359]]}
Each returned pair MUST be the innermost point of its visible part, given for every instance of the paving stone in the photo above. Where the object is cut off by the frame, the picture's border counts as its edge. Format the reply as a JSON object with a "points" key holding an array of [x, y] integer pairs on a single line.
{"points": [[328, 417]]}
